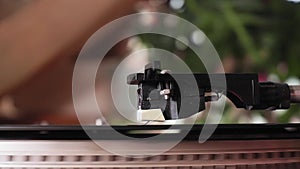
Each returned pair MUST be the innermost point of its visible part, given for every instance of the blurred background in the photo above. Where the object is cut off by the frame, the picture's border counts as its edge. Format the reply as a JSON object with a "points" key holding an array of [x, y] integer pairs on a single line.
{"points": [[40, 41]]}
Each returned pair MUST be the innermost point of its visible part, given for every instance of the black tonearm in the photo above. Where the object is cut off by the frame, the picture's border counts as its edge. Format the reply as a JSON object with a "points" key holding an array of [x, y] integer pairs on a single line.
{"points": [[158, 89]]}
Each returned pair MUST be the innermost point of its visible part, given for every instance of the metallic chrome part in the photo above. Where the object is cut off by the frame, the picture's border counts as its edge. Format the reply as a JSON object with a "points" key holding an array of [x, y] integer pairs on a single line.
{"points": [[165, 71], [165, 92], [190, 154]]}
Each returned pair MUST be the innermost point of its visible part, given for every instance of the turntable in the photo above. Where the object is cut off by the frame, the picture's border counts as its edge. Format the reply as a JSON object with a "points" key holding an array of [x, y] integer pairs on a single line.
{"points": [[230, 146]]}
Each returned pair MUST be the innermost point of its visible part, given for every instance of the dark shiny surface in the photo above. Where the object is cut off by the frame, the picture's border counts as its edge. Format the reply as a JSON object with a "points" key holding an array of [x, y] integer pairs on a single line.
{"points": [[223, 132]]}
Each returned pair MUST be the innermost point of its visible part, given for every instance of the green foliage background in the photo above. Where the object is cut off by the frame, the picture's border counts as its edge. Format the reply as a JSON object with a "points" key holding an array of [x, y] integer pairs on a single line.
{"points": [[261, 36]]}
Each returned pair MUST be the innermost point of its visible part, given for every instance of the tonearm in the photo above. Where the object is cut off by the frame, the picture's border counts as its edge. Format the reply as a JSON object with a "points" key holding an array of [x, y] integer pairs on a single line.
{"points": [[159, 89]]}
